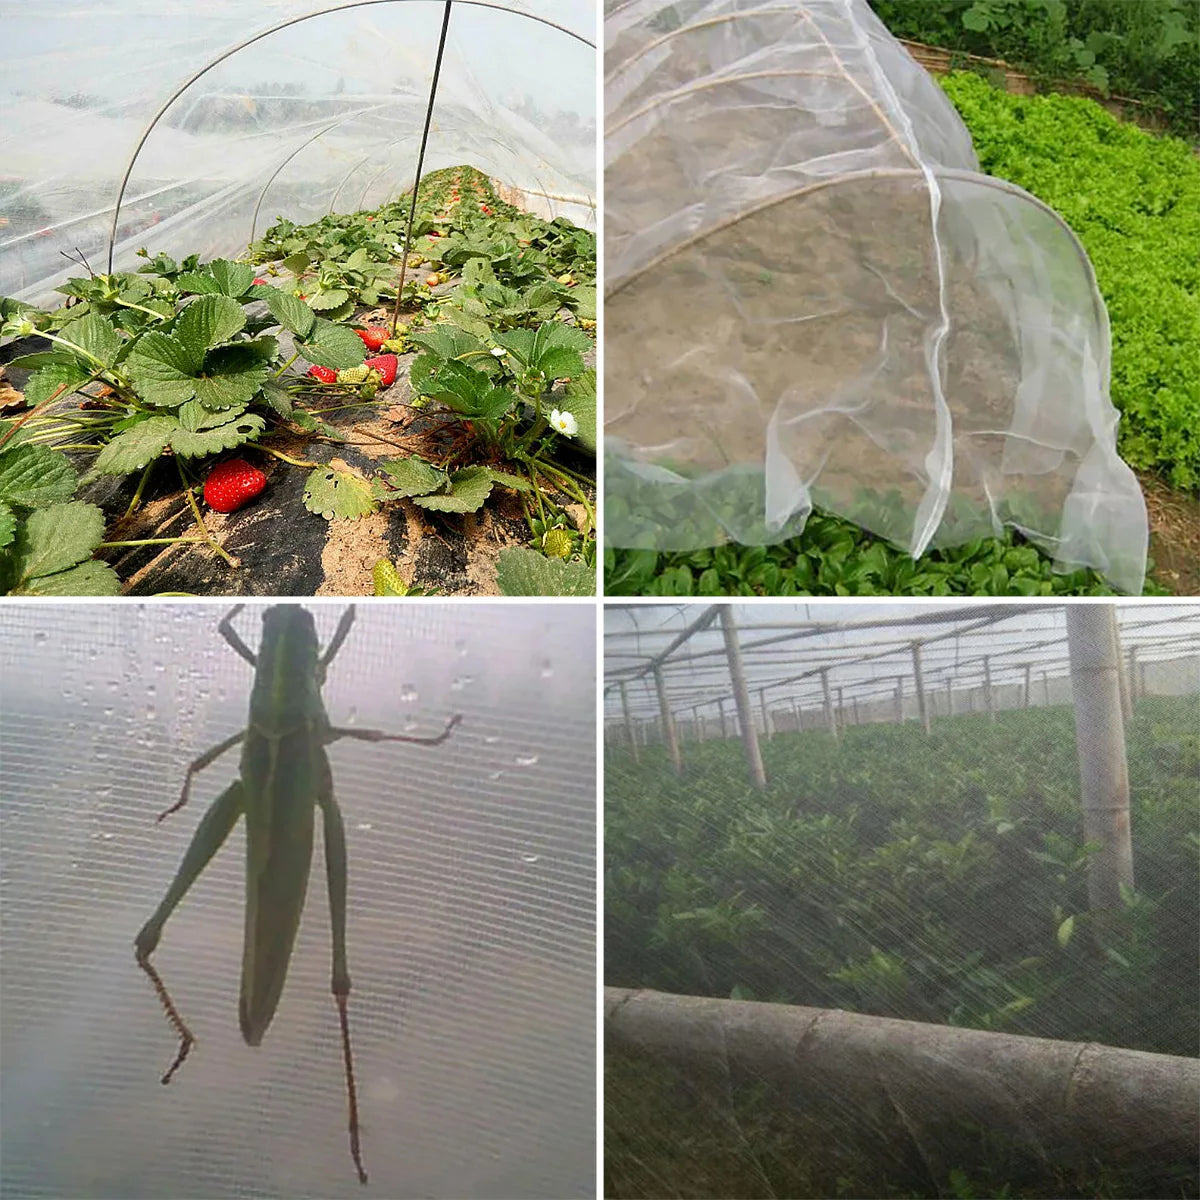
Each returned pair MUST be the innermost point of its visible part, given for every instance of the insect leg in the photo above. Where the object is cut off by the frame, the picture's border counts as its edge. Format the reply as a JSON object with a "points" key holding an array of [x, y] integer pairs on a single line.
{"points": [[203, 761], [335, 874], [206, 841], [339, 636], [227, 631], [376, 735]]}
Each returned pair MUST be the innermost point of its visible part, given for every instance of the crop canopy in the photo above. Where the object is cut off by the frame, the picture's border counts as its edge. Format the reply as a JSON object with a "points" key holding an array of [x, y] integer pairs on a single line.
{"points": [[189, 128], [814, 297]]}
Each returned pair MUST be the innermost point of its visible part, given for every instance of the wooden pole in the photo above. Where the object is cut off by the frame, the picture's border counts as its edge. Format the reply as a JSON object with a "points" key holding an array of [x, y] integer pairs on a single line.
{"points": [[830, 719], [1122, 1107], [1100, 740], [922, 706], [670, 737], [741, 698], [633, 746]]}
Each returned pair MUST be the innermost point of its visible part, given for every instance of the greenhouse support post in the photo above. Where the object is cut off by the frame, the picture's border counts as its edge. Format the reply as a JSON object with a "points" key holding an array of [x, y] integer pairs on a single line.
{"points": [[899, 700], [1136, 692], [1100, 741], [1028, 685], [724, 726], [796, 712], [922, 706], [949, 698], [830, 719], [988, 694], [1122, 675], [633, 746], [841, 709], [766, 715], [741, 698], [669, 736]]}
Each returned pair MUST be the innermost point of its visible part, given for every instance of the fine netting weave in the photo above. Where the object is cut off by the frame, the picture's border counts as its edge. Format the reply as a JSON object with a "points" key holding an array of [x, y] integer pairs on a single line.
{"points": [[814, 297], [470, 925]]}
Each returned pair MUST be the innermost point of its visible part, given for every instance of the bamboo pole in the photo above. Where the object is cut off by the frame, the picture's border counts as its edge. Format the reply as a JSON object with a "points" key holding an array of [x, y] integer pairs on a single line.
{"points": [[669, 735], [1100, 740], [633, 746], [830, 719], [922, 706], [741, 697], [1076, 1101]]}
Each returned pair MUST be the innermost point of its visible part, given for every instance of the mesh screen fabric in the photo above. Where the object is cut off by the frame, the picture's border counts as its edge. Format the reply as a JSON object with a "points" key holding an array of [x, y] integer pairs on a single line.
{"points": [[940, 879], [323, 115], [813, 297], [470, 929]]}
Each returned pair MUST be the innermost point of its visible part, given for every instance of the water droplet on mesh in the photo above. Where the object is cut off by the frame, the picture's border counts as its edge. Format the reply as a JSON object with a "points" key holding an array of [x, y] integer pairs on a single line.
{"points": [[529, 858], [495, 774], [364, 825], [491, 740], [525, 760]]}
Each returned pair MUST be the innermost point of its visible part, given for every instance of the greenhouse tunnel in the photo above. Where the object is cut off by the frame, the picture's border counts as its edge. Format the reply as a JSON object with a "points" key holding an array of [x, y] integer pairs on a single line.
{"points": [[901, 899], [188, 128], [815, 298]]}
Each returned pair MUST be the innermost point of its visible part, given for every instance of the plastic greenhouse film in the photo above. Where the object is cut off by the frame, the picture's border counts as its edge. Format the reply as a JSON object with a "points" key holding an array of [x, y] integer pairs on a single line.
{"points": [[814, 297]]}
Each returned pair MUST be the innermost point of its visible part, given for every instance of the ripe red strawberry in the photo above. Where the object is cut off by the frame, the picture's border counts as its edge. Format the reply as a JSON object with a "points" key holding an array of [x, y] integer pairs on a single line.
{"points": [[373, 336], [260, 281], [323, 374], [231, 484], [483, 208], [386, 365]]}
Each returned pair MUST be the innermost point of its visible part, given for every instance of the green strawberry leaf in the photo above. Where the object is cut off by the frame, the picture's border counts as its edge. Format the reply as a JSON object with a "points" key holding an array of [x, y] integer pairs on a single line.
{"points": [[296, 263], [42, 385], [412, 476], [580, 401], [333, 346], [8, 524], [524, 572], [95, 336], [32, 476], [233, 374], [290, 311], [138, 445], [332, 493], [278, 397], [57, 537], [207, 322], [90, 578], [163, 369], [447, 341], [194, 443], [233, 278], [469, 488], [199, 282], [510, 481], [334, 298]]}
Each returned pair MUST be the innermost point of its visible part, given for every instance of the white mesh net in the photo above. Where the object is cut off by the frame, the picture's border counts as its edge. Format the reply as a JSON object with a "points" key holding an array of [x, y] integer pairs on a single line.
{"points": [[814, 297], [470, 925]]}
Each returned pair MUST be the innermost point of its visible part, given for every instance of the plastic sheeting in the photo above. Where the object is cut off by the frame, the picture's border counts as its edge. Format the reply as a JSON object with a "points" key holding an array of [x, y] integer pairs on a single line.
{"points": [[814, 297], [324, 114]]}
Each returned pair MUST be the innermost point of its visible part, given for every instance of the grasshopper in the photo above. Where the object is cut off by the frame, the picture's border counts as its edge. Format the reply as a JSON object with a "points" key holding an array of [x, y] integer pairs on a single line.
{"points": [[284, 775]]}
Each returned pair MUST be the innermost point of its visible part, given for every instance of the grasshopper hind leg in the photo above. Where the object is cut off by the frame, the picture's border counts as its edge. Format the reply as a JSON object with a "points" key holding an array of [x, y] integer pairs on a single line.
{"points": [[206, 841]]}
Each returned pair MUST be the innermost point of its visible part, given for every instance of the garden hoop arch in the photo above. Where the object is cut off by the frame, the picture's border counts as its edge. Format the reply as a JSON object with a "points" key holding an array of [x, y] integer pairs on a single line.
{"points": [[257, 37]]}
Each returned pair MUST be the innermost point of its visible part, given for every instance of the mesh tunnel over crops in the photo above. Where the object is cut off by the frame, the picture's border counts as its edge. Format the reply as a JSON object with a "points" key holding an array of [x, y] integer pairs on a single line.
{"points": [[814, 297], [189, 128], [901, 900]]}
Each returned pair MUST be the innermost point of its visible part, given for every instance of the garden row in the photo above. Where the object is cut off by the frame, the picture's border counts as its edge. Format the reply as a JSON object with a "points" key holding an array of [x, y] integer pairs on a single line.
{"points": [[195, 379]]}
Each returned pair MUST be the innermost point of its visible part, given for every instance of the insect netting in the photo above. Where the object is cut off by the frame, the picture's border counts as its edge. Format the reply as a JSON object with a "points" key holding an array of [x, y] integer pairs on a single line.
{"points": [[901, 900], [814, 297], [470, 916], [191, 127]]}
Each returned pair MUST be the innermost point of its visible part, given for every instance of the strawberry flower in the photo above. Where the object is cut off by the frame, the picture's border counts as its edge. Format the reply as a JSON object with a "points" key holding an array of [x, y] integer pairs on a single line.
{"points": [[564, 422]]}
